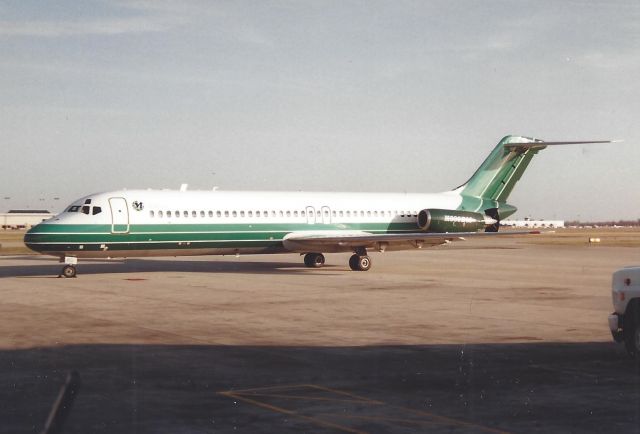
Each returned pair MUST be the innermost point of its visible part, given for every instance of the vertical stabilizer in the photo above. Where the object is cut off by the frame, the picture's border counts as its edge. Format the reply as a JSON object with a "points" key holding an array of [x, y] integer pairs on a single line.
{"points": [[503, 168], [490, 186]]}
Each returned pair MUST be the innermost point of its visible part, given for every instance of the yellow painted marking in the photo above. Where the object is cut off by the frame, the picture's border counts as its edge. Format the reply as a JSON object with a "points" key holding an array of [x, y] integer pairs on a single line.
{"points": [[280, 387], [306, 398], [247, 395], [292, 413], [340, 392]]}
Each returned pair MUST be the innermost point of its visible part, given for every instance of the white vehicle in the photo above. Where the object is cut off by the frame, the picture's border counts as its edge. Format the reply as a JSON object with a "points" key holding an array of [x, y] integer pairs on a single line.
{"points": [[625, 321]]}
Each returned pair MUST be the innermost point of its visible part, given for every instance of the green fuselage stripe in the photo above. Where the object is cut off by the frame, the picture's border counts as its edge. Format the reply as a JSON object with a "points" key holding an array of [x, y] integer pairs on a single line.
{"points": [[58, 237]]}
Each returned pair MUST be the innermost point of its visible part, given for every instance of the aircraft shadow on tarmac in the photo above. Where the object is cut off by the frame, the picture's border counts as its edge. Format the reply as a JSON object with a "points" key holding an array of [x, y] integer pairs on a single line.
{"points": [[47, 267], [529, 387]]}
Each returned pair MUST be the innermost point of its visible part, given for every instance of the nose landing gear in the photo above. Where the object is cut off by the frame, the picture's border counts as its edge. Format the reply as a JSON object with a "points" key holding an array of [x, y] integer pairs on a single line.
{"points": [[69, 270]]}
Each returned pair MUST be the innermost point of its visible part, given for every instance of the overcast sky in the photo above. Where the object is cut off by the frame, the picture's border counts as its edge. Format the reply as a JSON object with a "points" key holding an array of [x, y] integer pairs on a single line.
{"points": [[333, 96]]}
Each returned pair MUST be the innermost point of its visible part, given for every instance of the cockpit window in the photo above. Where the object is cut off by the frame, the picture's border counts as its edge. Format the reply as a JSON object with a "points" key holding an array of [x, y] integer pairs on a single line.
{"points": [[86, 210], [74, 208], [97, 210]]}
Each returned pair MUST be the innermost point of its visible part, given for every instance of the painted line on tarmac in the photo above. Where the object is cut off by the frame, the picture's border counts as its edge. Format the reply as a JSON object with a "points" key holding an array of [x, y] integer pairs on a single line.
{"points": [[291, 413], [257, 396]]}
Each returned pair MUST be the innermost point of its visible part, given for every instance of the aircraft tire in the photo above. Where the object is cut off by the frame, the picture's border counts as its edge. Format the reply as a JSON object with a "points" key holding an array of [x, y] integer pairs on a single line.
{"points": [[314, 260], [364, 263], [353, 262], [360, 263], [69, 271]]}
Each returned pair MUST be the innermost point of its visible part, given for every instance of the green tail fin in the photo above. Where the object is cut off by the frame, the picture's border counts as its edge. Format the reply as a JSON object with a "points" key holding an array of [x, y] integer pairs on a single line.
{"points": [[495, 178]]}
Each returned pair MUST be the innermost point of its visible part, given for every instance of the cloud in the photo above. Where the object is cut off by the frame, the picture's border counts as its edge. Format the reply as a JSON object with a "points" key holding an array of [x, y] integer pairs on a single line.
{"points": [[112, 26], [139, 16]]}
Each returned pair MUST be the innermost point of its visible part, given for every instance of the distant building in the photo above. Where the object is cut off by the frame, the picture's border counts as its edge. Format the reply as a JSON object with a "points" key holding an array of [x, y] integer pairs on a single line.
{"points": [[23, 218], [528, 223]]}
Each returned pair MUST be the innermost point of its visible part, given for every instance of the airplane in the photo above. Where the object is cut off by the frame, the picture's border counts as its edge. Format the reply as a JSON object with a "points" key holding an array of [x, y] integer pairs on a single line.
{"points": [[143, 223]]}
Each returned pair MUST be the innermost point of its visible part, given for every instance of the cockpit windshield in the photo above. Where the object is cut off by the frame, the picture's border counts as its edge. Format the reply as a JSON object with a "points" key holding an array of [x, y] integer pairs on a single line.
{"points": [[87, 208]]}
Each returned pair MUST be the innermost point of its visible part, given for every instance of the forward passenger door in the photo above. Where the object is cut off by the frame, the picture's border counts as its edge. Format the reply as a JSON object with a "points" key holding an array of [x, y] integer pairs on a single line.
{"points": [[119, 215]]}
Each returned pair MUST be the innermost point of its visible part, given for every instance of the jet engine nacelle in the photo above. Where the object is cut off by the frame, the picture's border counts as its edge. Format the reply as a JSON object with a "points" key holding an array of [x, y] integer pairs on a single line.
{"points": [[445, 220]]}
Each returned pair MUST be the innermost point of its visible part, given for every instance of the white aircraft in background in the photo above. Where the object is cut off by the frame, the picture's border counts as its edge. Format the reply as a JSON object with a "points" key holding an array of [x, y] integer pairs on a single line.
{"points": [[140, 223]]}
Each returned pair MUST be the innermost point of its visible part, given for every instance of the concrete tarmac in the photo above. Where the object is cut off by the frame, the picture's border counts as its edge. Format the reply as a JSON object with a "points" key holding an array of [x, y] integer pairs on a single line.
{"points": [[484, 336]]}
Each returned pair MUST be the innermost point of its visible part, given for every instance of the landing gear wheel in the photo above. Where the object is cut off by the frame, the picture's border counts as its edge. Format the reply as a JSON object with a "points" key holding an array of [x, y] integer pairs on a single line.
{"points": [[69, 271], [360, 263], [314, 260], [353, 262]]}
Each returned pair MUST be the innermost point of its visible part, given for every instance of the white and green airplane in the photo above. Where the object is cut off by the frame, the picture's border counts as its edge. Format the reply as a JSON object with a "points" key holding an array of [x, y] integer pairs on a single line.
{"points": [[140, 223]]}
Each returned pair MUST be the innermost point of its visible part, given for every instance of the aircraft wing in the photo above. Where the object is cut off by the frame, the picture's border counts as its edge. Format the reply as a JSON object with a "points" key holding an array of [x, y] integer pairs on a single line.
{"points": [[346, 240]]}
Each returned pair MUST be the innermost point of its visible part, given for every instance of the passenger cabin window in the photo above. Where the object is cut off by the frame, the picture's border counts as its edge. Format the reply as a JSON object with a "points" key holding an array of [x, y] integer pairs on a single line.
{"points": [[168, 213], [159, 213], [241, 213], [151, 213]]}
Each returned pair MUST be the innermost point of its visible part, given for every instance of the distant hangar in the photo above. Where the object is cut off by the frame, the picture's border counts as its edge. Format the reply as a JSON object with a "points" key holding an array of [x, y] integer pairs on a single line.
{"points": [[23, 218]]}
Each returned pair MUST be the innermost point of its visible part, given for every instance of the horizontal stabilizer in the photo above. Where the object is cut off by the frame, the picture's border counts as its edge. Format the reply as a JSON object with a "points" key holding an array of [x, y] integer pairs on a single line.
{"points": [[542, 144]]}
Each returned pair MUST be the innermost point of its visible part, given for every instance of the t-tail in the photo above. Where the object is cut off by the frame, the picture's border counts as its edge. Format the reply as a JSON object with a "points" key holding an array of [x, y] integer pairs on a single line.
{"points": [[489, 188]]}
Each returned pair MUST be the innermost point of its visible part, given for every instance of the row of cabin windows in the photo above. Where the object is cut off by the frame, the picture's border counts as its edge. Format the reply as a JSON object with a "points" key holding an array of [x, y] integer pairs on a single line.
{"points": [[281, 213]]}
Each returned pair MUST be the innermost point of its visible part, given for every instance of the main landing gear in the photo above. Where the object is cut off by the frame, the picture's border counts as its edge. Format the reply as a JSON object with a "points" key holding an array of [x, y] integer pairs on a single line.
{"points": [[314, 260], [69, 270], [359, 261]]}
